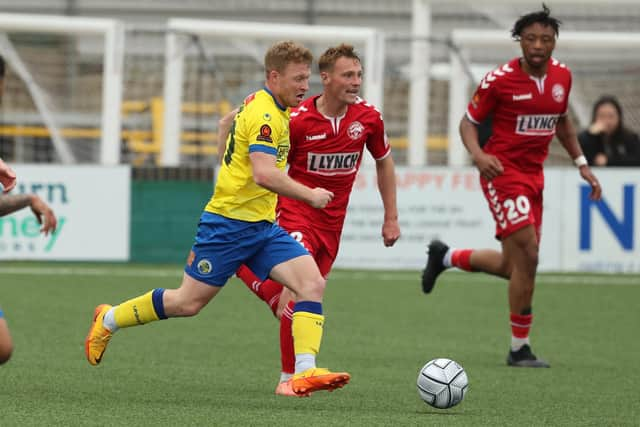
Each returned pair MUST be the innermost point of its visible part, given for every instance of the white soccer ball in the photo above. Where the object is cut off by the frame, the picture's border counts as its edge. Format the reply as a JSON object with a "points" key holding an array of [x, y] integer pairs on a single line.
{"points": [[442, 383]]}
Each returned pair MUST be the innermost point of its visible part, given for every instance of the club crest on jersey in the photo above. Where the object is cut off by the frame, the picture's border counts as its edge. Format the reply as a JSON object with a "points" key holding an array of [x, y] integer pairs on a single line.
{"points": [[557, 92], [355, 130], [204, 266], [536, 124], [332, 163]]}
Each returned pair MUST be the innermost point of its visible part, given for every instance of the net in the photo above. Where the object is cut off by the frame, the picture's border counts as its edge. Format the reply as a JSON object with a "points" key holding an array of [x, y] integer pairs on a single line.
{"points": [[213, 65], [54, 105]]}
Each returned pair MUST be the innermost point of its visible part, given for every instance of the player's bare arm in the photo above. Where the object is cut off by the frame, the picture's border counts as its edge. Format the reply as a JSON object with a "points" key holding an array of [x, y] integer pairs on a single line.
{"points": [[13, 203], [224, 127], [43, 213], [566, 133], [488, 165], [386, 173], [266, 174], [7, 177]]}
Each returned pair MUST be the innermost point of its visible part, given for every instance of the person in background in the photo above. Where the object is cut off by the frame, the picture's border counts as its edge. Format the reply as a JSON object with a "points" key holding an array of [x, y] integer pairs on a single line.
{"points": [[607, 142]]}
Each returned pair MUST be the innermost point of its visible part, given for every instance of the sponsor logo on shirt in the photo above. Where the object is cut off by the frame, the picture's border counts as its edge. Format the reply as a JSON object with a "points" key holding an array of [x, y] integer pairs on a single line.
{"points": [[332, 163], [265, 134], [536, 124], [475, 100], [316, 137], [249, 98], [522, 97], [282, 153]]}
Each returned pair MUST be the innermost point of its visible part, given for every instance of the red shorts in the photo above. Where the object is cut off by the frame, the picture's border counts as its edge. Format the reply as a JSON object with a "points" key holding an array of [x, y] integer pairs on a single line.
{"points": [[323, 245], [515, 201]]}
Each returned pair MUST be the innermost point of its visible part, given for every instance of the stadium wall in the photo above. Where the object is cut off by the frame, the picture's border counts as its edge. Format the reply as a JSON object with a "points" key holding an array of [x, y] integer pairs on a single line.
{"points": [[93, 210], [150, 215], [578, 234], [164, 216]]}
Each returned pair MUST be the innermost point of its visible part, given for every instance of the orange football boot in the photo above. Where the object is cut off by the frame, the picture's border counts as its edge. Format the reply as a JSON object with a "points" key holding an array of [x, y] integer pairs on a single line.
{"points": [[98, 337], [315, 379]]}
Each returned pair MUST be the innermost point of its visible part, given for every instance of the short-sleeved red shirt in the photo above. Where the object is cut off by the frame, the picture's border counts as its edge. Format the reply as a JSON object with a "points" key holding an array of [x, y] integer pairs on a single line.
{"points": [[327, 152], [525, 111]]}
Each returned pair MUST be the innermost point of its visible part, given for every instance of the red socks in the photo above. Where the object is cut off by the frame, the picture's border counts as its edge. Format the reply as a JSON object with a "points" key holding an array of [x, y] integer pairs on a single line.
{"points": [[287, 354], [268, 291], [461, 258], [520, 325]]}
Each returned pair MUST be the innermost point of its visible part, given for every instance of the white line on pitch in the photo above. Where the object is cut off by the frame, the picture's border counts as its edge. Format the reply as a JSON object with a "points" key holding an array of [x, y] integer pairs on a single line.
{"points": [[400, 276]]}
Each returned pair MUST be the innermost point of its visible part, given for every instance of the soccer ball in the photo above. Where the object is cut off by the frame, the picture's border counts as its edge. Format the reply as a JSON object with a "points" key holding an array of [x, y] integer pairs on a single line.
{"points": [[442, 383]]}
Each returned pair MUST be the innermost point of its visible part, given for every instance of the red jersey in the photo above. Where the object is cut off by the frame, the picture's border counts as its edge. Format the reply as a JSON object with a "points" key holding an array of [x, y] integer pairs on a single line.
{"points": [[327, 152], [525, 111]]}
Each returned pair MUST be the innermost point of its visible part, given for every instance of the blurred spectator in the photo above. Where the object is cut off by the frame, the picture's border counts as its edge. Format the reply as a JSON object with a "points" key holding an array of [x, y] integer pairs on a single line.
{"points": [[606, 142]]}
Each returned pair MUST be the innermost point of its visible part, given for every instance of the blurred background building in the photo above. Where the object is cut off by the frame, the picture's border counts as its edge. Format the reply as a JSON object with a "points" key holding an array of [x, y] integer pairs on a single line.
{"points": [[218, 74]]}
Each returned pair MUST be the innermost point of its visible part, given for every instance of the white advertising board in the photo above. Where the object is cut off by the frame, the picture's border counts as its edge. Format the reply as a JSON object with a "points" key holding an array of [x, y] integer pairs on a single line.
{"points": [[92, 204], [432, 203], [602, 236], [577, 234]]}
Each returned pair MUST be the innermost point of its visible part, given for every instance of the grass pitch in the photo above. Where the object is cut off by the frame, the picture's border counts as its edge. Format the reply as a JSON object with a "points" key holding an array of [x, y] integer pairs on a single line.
{"points": [[221, 367]]}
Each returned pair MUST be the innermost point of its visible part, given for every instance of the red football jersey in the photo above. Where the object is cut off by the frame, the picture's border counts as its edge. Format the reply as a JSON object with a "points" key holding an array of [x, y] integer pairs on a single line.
{"points": [[327, 152], [525, 111]]}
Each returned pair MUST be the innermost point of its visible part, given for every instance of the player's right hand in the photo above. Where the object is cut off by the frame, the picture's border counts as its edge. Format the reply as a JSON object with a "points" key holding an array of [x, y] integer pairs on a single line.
{"points": [[488, 165], [320, 197]]}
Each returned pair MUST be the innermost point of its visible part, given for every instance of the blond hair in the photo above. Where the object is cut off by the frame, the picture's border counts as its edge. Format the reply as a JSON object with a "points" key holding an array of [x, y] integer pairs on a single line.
{"points": [[282, 53], [331, 55]]}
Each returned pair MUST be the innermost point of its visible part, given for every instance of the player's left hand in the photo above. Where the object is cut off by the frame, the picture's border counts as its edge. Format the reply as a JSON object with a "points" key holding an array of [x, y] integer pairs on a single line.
{"points": [[390, 231], [44, 215], [587, 175]]}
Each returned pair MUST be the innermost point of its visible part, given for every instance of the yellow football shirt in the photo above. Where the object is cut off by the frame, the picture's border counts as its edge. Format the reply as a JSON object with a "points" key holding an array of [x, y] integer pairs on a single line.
{"points": [[260, 125]]}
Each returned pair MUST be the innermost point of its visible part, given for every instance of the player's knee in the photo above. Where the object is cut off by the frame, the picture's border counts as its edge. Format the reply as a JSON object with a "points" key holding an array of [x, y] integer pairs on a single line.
{"points": [[528, 252], [531, 255], [314, 288], [192, 307], [187, 306], [506, 268]]}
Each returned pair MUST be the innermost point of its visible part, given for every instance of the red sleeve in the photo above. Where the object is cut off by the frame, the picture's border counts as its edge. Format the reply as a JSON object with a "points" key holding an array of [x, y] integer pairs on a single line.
{"points": [[378, 143], [484, 99]]}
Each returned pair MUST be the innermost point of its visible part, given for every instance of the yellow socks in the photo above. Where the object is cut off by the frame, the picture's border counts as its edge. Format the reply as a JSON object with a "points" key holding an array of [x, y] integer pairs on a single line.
{"points": [[140, 310]]}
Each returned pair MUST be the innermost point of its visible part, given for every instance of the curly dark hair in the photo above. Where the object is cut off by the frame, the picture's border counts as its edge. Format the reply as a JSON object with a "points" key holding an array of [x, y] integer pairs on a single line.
{"points": [[542, 17]]}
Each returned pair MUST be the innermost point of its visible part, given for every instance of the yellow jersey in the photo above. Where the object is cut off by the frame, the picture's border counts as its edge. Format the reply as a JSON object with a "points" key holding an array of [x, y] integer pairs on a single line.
{"points": [[261, 125]]}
